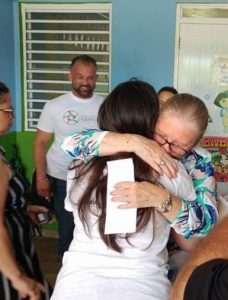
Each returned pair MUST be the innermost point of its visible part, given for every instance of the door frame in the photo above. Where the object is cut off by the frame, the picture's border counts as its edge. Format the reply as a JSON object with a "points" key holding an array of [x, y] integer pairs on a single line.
{"points": [[196, 13]]}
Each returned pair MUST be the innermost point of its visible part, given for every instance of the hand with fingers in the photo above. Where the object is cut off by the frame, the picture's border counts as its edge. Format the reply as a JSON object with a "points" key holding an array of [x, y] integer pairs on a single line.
{"points": [[28, 287], [34, 210], [43, 188], [138, 194], [153, 154]]}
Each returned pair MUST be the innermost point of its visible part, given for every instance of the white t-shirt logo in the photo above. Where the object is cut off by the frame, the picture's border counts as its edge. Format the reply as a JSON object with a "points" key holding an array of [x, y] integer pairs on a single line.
{"points": [[71, 117]]}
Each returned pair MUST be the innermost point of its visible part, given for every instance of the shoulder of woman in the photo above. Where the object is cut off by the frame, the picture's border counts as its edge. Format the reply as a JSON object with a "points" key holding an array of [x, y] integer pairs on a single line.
{"points": [[182, 185], [201, 151], [5, 169]]}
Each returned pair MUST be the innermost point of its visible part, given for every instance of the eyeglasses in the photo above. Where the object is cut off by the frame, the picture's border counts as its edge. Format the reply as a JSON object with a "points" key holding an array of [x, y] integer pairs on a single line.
{"points": [[173, 147], [7, 110]]}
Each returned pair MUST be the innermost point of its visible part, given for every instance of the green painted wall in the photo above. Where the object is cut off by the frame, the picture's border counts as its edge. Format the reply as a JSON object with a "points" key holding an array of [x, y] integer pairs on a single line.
{"points": [[24, 142], [6, 142]]}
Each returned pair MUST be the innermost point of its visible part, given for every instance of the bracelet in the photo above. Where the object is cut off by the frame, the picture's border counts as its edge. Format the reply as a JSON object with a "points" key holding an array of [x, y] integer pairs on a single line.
{"points": [[167, 205], [41, 178]]}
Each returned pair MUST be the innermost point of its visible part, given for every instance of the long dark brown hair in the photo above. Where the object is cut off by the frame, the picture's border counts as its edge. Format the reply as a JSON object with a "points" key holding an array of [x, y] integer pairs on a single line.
{"points": [[132, 107]]}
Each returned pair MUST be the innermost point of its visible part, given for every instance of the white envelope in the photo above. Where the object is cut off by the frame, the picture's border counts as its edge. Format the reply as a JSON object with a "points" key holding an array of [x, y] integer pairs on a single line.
{"points": [[119, 220]]}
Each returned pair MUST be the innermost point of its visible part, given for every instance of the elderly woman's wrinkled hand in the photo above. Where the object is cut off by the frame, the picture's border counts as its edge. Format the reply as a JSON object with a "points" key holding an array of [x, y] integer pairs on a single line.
{"points": [[153, 154], [138, 194]]}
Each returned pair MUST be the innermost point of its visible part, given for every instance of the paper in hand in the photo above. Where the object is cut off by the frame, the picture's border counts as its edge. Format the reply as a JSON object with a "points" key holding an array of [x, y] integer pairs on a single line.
{"points": [[119, 220]]}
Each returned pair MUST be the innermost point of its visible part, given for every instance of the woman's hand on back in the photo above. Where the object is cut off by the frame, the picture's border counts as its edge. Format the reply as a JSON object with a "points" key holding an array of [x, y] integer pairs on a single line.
{"points": [[153, 154], [138, 194]]}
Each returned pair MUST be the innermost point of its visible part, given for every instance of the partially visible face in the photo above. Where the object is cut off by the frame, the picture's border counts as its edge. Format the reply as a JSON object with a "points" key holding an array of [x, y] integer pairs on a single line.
{"points": [[164, 96], [176, 136], [83, 78], [6, 118]]}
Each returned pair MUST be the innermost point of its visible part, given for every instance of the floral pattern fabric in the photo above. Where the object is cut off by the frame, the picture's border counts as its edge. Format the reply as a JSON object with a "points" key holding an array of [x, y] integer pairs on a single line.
{"points": [[198, 217]]}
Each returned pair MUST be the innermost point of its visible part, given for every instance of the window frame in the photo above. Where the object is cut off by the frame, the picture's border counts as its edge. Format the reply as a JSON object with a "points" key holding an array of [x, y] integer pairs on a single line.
{"points": [[61, 8]]}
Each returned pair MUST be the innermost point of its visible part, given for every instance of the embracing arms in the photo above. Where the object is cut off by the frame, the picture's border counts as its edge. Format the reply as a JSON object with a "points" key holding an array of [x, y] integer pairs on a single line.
{"points": [[194, 217], [88, 144]]}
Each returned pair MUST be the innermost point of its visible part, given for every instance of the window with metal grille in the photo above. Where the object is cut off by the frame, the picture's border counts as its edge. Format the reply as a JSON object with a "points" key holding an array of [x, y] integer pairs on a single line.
{"points": [[52, 35]]}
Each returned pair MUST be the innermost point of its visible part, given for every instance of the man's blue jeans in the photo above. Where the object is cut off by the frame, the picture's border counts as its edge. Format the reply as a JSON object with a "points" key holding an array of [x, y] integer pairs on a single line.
{"points": [[64, 218]]}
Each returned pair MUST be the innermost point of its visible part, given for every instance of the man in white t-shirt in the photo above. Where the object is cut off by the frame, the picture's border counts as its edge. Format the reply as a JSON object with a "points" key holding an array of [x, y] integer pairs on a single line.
{"points": [[73, 111]]}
